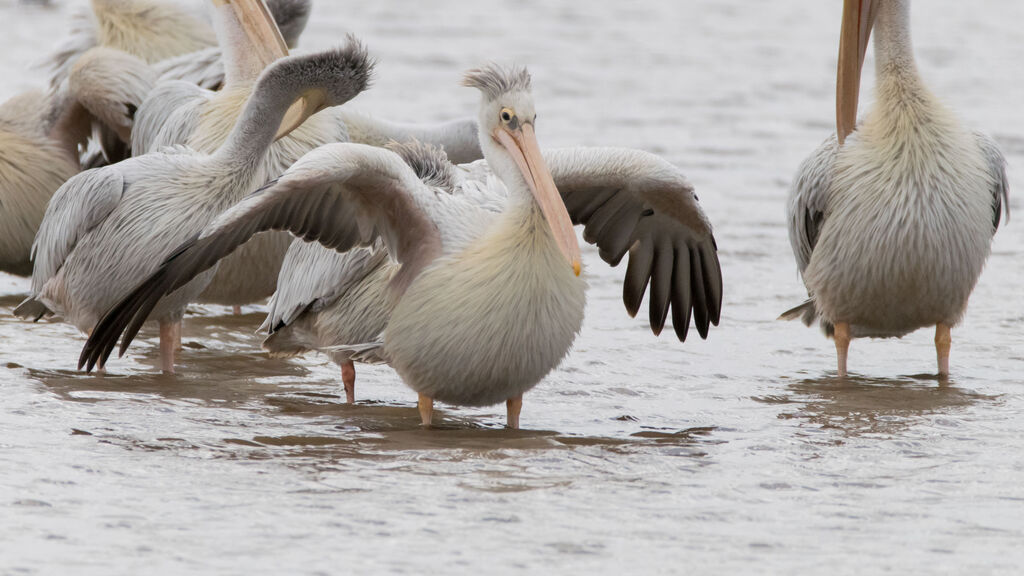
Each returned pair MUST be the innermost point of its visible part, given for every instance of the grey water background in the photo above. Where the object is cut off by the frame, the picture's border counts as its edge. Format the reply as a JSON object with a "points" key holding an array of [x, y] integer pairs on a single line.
{"points": [[739, 455]]}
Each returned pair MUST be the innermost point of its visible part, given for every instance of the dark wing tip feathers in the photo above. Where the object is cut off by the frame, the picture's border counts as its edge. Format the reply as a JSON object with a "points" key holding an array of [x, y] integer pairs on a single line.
{"points": [[128, 315], [679, 271]]}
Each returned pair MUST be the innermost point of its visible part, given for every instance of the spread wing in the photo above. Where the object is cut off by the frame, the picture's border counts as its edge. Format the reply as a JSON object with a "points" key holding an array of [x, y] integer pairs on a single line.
{"points": [[997, 170], [806, 208], [633, 201], [77, 207], [341, 195]]}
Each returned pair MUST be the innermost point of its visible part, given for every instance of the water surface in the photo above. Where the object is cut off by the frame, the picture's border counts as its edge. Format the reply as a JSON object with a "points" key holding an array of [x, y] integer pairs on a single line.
{"points": [[739, 455]]}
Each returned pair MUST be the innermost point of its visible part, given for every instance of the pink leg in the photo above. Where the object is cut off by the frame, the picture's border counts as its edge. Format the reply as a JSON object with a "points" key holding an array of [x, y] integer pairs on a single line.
{"points": [[842, 338], [426, 406], [237, 310], [513, 407], [348, 376], [177, 335], [943, 343], [167, 346]]}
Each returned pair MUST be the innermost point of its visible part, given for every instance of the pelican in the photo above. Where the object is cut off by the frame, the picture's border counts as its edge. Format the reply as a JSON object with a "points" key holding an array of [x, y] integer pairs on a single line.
{"points": [[38, 153], [326, 299], [152, 30], [41, 138], [891, 219], [205, 67], [42, 135], [486, 302], [106, 229], [183, 113], [112, 83]]}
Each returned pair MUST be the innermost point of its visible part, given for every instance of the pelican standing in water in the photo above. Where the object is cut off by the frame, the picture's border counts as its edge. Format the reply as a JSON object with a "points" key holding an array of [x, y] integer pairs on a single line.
{"points": [[96, 91], [891, 220], [326, 300], [486, 303], [108, 228], [183, 113]]}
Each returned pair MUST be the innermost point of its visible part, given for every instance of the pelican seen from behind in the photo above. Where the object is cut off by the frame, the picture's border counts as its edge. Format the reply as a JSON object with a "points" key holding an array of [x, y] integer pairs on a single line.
{"points": [[486, 302], [891, 219]]}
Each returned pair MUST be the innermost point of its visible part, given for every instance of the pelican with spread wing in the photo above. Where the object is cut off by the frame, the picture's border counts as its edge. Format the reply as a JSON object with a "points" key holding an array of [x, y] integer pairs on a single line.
{"points": [[891, 219], [486, 302], [107, 229]]}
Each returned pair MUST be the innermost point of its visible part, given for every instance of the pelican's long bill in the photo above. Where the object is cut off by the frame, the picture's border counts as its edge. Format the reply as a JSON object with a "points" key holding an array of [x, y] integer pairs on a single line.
{"points": [[266, 40], [258, 24], [858, 19], [310, 103], [521, 143]]}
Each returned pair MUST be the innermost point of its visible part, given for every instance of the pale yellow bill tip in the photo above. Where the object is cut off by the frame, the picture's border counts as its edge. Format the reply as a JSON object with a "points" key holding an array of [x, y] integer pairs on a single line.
{"points": [[576, 268]]}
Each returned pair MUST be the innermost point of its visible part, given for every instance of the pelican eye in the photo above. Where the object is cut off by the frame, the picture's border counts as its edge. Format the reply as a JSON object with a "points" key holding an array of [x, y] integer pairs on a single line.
{"points": [[507, 115]]}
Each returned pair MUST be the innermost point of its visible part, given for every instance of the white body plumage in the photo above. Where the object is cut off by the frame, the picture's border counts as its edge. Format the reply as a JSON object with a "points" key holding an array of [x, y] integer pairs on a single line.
{"points": [[909, 220], [500, 315], [892, 228]]}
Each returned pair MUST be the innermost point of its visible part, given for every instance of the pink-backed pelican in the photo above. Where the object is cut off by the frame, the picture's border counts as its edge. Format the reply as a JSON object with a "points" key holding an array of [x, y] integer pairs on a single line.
{"points": [[108, 228], [486, 302], [891, 219]]}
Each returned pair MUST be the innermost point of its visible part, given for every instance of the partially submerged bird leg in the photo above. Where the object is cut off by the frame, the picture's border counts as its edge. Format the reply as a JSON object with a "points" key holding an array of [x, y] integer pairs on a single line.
{"points": [[842, 338], [167, 344], [943, 342], [236, 310], [348, 377], [514, 406], [177, 336], [426, 406]]}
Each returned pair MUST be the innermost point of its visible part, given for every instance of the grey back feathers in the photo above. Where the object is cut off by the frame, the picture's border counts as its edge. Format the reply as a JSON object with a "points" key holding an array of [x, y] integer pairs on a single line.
{"points": [[494, 80], [430, 163]]}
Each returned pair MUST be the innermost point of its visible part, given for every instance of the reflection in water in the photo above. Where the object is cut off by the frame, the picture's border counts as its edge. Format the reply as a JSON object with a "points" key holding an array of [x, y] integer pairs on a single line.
{"points": [[859, 406], [304, 422]]}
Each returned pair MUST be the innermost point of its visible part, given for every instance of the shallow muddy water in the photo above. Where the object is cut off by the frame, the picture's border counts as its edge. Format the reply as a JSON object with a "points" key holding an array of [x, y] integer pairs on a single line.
{"points": [[742, 454]]}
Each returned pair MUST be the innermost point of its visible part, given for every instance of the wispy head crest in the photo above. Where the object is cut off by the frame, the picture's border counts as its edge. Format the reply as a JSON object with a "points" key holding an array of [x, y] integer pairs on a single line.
{"points": [[494, 80]]}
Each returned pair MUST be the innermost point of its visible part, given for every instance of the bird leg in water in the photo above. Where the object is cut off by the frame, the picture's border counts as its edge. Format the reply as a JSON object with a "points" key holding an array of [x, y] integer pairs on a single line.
{"points": [[177, 336], [167, 330], [943, 342], [842, 338], [514, 406], [236, 310], [426, 406], [348, 377]]}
